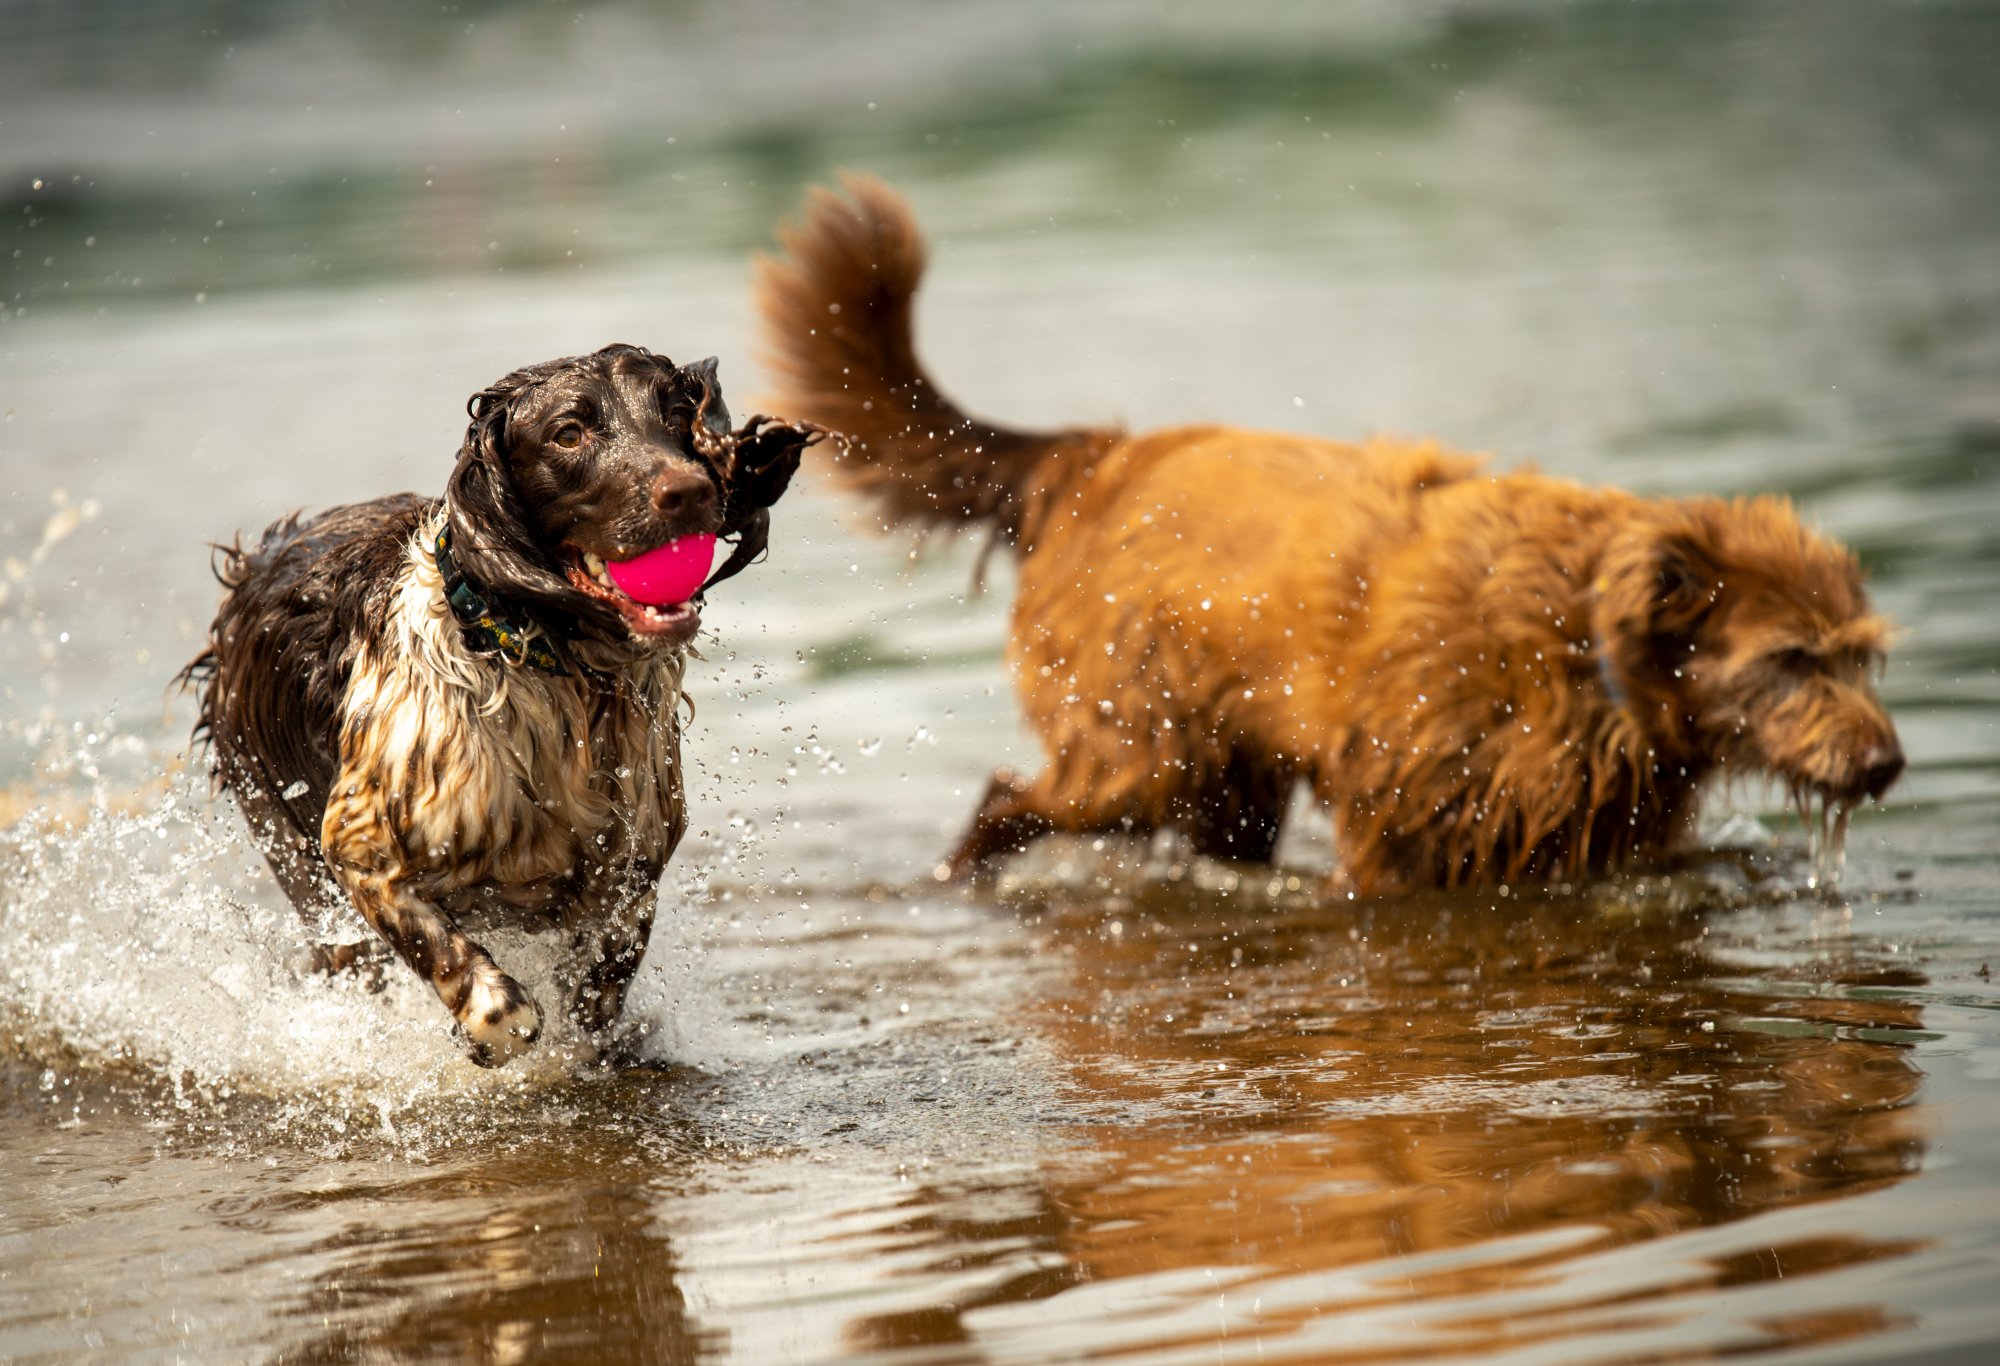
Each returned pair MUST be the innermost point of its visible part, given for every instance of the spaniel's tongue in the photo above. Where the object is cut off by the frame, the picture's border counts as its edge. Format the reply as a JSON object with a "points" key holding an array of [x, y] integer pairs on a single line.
{"points": [[672, 573]]}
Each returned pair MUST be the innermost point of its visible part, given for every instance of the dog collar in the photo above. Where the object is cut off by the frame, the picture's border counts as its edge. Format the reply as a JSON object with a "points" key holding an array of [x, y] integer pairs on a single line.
{"points": [[1607, 671], [1607, 674], [485, 628]]}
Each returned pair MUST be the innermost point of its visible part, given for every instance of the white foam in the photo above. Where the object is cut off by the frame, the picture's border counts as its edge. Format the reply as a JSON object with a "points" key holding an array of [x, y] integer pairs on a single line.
{"points": [[157, 941]]}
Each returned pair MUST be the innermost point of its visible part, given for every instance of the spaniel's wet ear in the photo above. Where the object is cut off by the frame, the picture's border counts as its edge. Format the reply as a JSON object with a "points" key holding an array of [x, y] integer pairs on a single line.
{"points": [[487, 430], [711, 414], [765, 457], [489, 528], [751, 538], [482, 494]]}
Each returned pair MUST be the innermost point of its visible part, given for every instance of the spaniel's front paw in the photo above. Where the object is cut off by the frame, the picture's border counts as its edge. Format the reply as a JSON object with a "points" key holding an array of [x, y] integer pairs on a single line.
{"points": [[499, 1020]]}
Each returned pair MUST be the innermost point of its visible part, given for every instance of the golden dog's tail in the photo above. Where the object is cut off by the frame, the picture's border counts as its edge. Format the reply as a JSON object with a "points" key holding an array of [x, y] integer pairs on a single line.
{"points": [[838, 341]]}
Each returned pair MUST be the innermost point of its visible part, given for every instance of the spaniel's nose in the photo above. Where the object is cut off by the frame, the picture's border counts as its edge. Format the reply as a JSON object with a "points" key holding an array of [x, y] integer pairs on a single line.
{"points": [[1881, 765], [683, 494]]}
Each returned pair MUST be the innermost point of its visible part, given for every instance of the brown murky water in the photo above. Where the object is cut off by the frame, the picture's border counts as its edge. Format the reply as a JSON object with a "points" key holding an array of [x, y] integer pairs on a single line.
{"points": [[1123, 1106]]}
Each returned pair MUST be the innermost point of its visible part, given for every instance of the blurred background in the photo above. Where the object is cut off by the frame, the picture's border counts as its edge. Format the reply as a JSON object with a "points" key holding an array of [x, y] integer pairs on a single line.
{"points": [[254, 256]]}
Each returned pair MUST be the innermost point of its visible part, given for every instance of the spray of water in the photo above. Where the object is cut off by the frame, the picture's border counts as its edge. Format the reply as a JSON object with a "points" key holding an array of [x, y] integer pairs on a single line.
{"points": [[142, 938]]}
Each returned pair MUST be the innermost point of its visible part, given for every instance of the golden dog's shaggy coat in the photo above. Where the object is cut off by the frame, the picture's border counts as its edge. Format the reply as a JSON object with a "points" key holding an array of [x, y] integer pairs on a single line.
{"points": [[1483, 677]]}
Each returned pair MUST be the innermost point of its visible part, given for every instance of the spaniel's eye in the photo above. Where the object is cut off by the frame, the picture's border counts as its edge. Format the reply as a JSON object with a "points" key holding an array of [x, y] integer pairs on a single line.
{"points": [[568, 436], [1796, 662]]}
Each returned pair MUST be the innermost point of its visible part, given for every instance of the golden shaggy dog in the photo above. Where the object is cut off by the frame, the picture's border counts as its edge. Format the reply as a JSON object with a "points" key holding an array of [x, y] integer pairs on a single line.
{"points": [[1484, 677]]}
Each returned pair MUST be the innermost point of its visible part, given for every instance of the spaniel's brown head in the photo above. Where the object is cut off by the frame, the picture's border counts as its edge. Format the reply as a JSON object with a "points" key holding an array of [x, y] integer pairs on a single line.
{"points": [[576, 463]]}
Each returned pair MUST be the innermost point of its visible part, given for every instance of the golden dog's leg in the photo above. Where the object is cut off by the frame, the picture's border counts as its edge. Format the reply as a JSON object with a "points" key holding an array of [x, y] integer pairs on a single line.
{"points": [[1014, 813], [1240, 812], [1007, 821], [1368, 865]]}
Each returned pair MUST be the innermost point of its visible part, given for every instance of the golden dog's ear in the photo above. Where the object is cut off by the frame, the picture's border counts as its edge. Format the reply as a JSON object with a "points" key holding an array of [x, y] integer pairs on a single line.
{"points": [[1654, 587], [1659, 580], [1686, 583]]}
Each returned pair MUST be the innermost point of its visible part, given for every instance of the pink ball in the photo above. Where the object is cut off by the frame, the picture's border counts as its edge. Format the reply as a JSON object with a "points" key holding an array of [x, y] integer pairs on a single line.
{"points": [[672, 573]]}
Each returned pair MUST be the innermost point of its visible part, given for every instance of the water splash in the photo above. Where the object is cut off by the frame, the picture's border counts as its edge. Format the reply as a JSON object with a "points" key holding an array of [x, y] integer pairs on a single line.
{"points": [[142, 939]]}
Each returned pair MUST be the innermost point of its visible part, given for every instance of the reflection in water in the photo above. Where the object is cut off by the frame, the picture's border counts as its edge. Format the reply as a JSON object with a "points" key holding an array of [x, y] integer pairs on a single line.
{"points": [[1137, 1116], [1311, 1107], [512, 1259], [528, 1247], [1300, 1128]]}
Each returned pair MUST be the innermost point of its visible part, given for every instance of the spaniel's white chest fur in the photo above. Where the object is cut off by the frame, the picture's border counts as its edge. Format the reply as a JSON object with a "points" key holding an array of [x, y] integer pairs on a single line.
{"points": [[495, 776]]}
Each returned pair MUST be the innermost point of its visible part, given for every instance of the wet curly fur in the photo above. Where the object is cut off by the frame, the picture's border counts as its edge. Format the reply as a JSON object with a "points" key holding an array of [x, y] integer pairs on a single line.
{"points": [[1483, 677], [386, 752]]}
